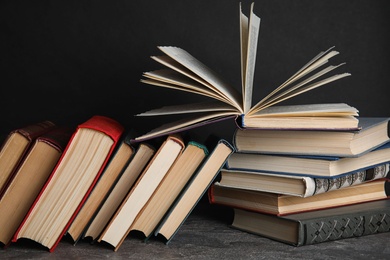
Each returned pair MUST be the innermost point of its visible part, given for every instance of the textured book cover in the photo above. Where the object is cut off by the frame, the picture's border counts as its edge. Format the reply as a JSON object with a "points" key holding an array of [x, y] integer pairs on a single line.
{"points": [[318, 226]]}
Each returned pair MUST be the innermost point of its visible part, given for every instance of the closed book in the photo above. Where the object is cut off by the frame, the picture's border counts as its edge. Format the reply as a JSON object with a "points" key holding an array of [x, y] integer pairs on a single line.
{"points": [[144, 152], [70, 182], [119, 159], [302, 186], [319, 226], [194, 190], [14, 147], [313, 166], [29, 178], [169, 188], [373, 132], [118, 227], [277, 204]]}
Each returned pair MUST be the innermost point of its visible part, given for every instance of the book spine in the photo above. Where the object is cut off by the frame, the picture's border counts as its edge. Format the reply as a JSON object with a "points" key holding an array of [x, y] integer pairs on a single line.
{"points": [[57, 138], [348, 226], [33, 131], [328, 184]]}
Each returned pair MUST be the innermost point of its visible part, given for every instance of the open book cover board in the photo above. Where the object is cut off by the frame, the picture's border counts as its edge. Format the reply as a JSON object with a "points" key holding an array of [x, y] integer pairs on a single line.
{"points": [[184, 72]]}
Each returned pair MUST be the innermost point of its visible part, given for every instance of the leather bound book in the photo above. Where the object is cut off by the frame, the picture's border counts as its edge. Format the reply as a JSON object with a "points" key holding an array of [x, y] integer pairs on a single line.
{"points": [[318, 226]]}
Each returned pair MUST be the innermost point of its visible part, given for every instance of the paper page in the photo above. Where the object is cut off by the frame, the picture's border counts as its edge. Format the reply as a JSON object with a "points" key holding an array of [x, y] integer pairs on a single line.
{"points": [[302, 90], [309, 110], [202, 71], [186, 124], [312, 65], [253, 35], [171, 79], [211, 106], [244, 48]]}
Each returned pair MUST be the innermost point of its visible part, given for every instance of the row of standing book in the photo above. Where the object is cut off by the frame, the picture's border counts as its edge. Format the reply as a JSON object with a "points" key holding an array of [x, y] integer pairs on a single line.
{"points": [[94, 183], [307, 187]]}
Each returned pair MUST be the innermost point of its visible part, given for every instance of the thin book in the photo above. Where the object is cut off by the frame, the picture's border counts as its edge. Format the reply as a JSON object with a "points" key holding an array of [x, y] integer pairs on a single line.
{"points": [[194, 190], [312, 166], [170, 188], [15, 146], [279, 204], [118, 227], [111, 173], [302, 186], [143, 154]]}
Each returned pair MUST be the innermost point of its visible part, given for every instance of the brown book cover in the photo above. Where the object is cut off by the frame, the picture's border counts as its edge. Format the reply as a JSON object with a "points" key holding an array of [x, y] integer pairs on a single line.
{"points": [[29, 179], [15, 146]]}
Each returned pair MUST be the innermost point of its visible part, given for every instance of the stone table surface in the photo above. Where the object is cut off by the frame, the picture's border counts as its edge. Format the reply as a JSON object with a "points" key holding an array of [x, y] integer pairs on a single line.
{"points": [[206, 234]]}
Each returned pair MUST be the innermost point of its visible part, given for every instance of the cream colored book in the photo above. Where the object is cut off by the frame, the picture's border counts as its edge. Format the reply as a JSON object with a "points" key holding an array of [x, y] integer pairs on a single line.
{"points": [[184, 72], [118, 227], [126, 181], [170, 188]]}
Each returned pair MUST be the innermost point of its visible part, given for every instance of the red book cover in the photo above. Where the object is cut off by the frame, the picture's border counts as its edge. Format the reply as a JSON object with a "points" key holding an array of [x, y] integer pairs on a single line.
{"points": [[100, 123]]}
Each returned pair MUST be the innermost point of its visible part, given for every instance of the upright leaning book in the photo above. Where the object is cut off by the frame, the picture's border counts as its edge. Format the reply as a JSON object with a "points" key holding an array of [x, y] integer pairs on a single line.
{"points": [[193, 191], [169, 188], [29, 178], [121, 188], [118, 227], [71, 181], [111, 173], [16, 145], [185, 73]]}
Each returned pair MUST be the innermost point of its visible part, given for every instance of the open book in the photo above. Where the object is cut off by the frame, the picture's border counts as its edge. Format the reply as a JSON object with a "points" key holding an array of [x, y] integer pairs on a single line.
{"points": [[185, 73]]}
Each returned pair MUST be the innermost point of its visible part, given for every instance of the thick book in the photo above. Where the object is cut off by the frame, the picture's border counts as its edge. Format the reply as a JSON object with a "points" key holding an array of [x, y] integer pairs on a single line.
{"points": [[302, 186], [312, 166], [15, 146], [143, 154], [278, 204], [111, 173], [184, 72], [374, 132], [29, 178], [193, 191], [169, 188], [71, 181], [118, 228], [318, 226]]}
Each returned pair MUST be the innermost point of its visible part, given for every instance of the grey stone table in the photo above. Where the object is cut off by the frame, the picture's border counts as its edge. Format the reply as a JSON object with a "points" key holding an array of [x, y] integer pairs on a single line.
{"points": [[206, 235]]}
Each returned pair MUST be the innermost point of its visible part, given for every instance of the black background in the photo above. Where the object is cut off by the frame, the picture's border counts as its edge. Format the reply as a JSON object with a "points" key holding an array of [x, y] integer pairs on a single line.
{"points": [[68, 60]]}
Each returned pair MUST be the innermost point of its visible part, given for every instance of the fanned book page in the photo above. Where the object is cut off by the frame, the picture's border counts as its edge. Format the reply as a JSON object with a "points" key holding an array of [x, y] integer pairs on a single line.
{"points": [[184, 72]]}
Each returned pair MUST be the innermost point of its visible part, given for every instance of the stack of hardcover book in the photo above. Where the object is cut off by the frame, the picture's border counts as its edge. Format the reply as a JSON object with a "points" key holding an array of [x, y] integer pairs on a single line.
{"points": [[311, 186], [297, 169]]}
